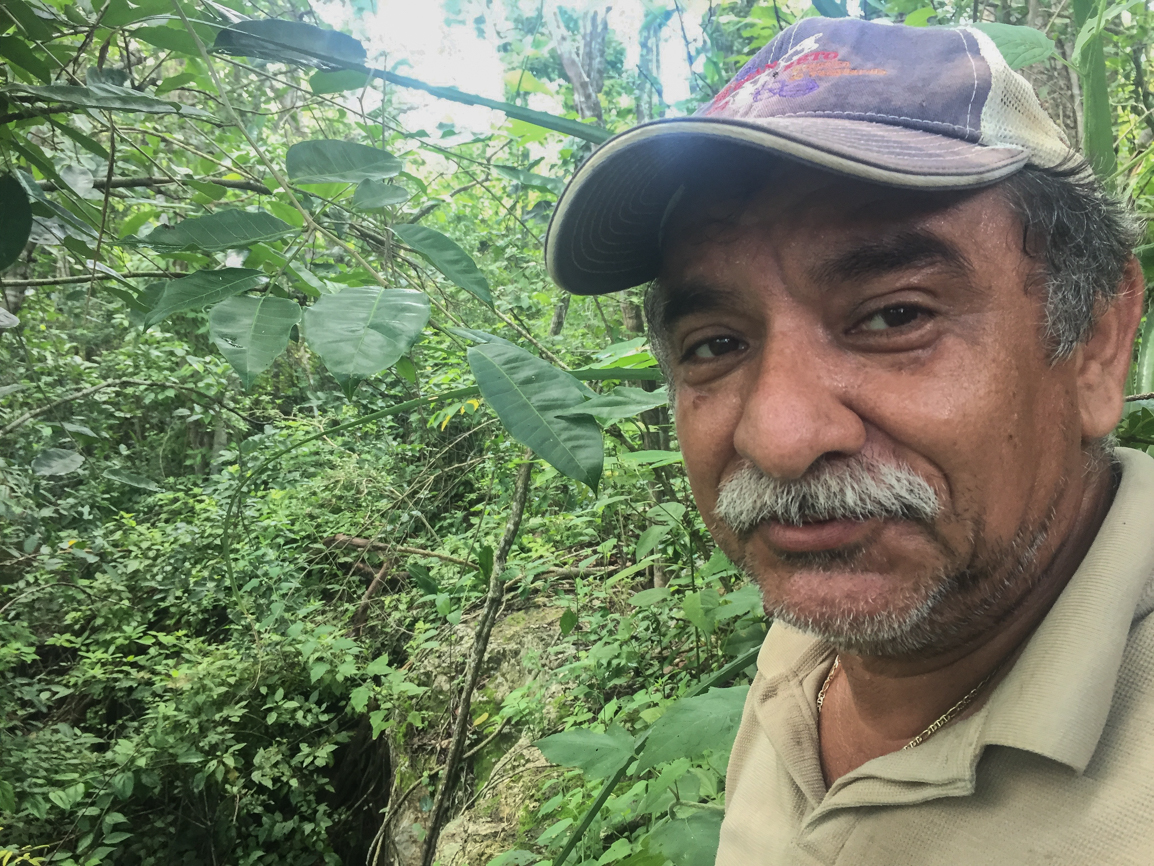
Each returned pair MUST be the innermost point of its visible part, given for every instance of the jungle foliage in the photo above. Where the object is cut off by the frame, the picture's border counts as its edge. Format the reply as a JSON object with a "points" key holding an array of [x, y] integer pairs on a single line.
{"points": [[320, 505]]}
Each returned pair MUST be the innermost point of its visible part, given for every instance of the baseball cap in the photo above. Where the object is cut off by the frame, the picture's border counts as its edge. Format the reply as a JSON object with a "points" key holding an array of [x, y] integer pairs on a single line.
{"points": [[931, 108]]}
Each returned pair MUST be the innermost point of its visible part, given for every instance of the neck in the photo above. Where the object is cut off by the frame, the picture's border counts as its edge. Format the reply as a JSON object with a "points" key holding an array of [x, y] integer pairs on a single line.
{"points": [[878, 704]]}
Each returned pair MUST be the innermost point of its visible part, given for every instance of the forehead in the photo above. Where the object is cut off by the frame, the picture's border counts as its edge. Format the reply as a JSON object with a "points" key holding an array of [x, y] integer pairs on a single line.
{"points": [[800, 211]]}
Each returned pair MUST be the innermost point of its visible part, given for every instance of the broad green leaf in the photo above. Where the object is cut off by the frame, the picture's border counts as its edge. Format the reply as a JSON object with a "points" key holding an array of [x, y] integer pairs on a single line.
{"points": [[375, 194], [15, 220], [103, 96], [57, 461], [527, 394], [525, 82], [690, 841], [90, 144], [7, 797], [131, 479], [648, 597], [1020, 45], [651, 458], [363, 330], [700, 608], [693, 726], [447, 257], [657, 788], [621, 402], [568, 621], [176, 38], [252, 332], [201, 289], [1094, 25], [66, 798], [540, 182], [331, 161], [475, 336], [920, 17], [224, 230], [649, 539], [831, 8], [1097, 110], [515, 858], [598, 755], [32, 24], [290, 42], [16, 50], [339, 81]]}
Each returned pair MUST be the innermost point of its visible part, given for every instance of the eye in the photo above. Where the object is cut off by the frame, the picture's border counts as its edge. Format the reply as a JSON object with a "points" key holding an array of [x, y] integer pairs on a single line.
{"points": [[714, 347], [896, 316]]}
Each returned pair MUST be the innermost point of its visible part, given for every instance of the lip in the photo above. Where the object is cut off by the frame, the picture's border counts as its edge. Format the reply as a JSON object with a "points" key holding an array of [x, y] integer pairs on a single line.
{"points": [[813, 537]]}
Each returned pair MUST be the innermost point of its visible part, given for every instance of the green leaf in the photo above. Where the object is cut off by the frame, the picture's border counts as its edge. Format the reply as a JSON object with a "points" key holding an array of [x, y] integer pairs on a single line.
{"points": [[447, 257], [103, 96], [172, 38], [338, 82], [1094, 25], [1020, 45], [689, 841], [201, 289], [1144, 368], [515, 858], [668, 777], [32, 24], [527, 394], [15, 220], [7, 797], [648, 597], [485, 561], [363, 330], [568, 620], [1097, 111], [66, 798], [598, 755], [224, 230], [57, 461], [375, 194], [252, 332], [622, 402], [649, 539], [131, 479], [17, 51], [831, 8], [538, 182], [700, 608], [332, 161], [692, 726], [289, 42], [920, 17]]}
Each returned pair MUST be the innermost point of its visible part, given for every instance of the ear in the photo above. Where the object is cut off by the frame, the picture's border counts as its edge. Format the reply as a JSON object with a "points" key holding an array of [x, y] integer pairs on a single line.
{"points": [[1104, 360]]}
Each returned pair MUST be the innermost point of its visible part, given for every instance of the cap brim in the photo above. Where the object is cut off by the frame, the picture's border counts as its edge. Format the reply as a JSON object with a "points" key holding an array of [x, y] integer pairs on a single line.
{"points": [[605, 232]]}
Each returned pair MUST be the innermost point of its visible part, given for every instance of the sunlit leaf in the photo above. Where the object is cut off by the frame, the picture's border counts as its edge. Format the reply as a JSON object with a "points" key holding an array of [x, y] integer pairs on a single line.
{"points": [[201, 289], [1020, 45], [332, 161], [553, 185], [337, 82], [528, 395], [252, 332], [363, 330], [446, 256], [131, 479]]}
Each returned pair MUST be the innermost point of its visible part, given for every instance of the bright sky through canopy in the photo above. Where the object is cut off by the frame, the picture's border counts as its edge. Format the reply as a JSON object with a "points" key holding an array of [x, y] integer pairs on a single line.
{"points": [[456, 55]]}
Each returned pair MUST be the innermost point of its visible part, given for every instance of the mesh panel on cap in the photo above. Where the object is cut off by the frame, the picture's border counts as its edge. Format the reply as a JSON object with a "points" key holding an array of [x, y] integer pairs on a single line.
{"points": [[1012, 113]]}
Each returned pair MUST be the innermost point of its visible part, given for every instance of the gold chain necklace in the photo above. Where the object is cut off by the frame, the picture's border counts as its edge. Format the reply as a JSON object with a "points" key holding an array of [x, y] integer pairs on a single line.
{"points": [[942, 720]]}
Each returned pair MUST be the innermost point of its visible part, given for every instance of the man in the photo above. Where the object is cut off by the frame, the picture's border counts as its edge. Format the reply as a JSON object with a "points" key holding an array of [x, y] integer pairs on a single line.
{"points": [[896, 315]]}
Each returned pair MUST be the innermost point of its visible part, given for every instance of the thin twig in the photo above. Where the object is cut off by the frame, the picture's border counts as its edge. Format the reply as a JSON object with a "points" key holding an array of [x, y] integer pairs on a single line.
{"points": [[83, 278]]}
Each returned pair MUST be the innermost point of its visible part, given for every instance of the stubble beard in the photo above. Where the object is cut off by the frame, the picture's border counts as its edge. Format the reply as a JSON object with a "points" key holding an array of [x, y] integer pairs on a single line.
{"points": [[965, 595], [933, 616]]}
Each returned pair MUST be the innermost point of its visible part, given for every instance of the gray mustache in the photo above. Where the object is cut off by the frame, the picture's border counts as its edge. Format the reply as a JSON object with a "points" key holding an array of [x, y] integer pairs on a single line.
{"points": [[854, 488]]}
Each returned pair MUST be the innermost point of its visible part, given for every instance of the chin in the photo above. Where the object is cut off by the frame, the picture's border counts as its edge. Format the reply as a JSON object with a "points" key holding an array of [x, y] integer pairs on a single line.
{"points": [[861, 613]]}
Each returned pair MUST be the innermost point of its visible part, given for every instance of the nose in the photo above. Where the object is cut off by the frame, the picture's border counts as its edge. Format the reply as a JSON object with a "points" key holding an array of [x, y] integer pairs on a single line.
{"points": [[795, 408]]}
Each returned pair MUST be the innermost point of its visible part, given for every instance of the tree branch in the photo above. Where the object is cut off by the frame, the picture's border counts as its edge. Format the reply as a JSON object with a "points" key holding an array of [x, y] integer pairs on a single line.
{"points": [[477, 657], [132, 182], [60, 281]]}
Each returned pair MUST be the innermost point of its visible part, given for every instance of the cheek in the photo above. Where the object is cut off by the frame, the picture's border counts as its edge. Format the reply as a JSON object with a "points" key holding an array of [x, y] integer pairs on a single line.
{"points": [[705, 427]]}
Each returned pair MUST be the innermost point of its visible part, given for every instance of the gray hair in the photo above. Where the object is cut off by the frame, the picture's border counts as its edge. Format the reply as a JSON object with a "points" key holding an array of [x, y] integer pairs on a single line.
{"points": [[1080, 234]]}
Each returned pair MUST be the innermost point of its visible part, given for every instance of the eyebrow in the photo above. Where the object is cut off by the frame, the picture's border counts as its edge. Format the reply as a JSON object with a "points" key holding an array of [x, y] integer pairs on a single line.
{"points": [[685, 299], [900, 252]]}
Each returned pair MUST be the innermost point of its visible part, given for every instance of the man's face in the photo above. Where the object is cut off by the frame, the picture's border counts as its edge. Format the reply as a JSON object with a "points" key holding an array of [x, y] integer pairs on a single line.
{"points": [[828, 329]]}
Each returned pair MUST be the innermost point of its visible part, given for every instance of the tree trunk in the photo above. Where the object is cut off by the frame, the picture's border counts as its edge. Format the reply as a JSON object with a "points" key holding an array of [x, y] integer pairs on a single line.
{"points": [[583, 62]]}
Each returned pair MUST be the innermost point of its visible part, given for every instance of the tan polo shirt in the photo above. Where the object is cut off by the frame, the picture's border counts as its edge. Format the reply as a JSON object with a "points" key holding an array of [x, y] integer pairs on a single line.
{"points": [[1056, 768]]}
